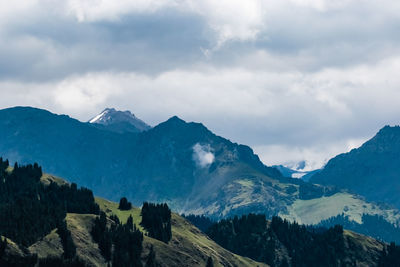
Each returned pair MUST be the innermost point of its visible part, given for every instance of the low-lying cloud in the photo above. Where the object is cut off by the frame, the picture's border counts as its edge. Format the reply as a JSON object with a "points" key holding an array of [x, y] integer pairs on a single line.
{"points": [[203, 155]]}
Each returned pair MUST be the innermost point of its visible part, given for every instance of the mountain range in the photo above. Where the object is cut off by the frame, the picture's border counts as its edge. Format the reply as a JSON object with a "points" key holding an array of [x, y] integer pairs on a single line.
{"points": [[180, 163]]}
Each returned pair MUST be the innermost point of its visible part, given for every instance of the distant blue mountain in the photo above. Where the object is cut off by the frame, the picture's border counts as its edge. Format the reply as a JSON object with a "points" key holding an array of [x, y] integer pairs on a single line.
{"points": [[182, 163], [373, 170], [296, 173]]}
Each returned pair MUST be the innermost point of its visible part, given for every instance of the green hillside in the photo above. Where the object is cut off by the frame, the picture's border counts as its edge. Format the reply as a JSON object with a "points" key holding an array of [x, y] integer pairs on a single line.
{"points": [[46, 243], [188, 247]]}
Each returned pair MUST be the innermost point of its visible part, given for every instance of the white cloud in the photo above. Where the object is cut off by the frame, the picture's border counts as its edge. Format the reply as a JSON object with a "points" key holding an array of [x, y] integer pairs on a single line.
{"points": [[84, 93], [316, 156], [202, 155], [232, 19]]}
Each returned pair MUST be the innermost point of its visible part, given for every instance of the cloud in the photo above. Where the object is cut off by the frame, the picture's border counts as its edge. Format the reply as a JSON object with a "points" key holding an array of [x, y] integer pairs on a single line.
{"points": [[230, 19], [316, 156], [202, 155]]}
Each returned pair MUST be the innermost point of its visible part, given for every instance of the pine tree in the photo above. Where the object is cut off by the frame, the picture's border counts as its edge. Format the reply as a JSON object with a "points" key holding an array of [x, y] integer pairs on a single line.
{"points": [[210, 262], [151, 258], [66, 240], [124, 204], [129, 223], [3, 246], [156, 219]]}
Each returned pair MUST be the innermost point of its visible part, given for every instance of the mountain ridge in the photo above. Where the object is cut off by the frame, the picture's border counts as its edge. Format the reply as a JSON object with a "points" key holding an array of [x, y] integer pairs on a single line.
{"points": [[370, 170]]}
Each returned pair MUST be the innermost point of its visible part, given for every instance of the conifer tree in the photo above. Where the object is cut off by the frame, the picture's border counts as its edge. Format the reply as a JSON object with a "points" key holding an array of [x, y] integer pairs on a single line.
{"points": [[210, 262], [151, 258], [124, 204]]}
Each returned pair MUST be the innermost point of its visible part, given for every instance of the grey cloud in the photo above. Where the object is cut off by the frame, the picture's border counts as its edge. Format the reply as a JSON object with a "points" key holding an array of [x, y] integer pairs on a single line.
{"points": [[53, 49]]}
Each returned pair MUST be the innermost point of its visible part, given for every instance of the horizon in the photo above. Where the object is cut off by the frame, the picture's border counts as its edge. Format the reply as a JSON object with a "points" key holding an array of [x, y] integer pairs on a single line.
{"points": [[294, 79]]}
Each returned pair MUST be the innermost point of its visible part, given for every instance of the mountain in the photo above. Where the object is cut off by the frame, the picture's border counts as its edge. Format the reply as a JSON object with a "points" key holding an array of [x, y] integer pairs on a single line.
{"points": [[371, 170], [182, 164], [119, 121]]}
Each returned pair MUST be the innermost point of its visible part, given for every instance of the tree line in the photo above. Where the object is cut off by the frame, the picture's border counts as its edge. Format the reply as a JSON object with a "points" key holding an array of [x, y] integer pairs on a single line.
{"points": [[200, 221], [120, 244], [372, 225], [252, 236], [29, 210], [156, 219]]}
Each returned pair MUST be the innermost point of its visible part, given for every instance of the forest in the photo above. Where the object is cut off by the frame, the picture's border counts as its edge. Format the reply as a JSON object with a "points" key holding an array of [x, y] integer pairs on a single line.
{"points": [[29, 210], [200, 221], [125, 239], [156, 219], [373, 225], [253, 236]]}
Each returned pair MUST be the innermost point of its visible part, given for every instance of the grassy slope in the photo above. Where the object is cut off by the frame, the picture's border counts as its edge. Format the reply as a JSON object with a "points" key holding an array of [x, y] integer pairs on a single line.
{"points": [[188, 247], [314, 210], [86, 249], [12, 248], [49, 246], [47, 178], [362, 250]]}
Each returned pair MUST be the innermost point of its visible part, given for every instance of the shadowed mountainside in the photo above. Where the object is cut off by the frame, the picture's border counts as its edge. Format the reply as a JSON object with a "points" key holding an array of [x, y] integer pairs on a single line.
{"points": [[371, 170]]}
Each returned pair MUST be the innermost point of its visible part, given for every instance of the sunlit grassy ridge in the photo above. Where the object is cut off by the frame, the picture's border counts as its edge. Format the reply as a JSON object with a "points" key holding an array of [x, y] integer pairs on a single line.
{"points": [[188, 247], [111, 208]]}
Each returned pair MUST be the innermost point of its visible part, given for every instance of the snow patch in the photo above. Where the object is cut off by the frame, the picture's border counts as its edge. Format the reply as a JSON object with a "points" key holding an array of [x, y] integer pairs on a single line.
{"points": [[98, 117], [202, 155], [298, 175]]}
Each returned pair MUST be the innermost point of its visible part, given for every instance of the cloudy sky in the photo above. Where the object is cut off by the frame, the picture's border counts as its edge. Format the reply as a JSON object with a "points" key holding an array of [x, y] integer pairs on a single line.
{"points": [[294, 79]]}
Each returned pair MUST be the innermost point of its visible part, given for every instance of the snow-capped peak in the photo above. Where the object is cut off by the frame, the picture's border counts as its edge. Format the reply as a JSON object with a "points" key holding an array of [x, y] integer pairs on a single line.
{"points": [[113, 117]]}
